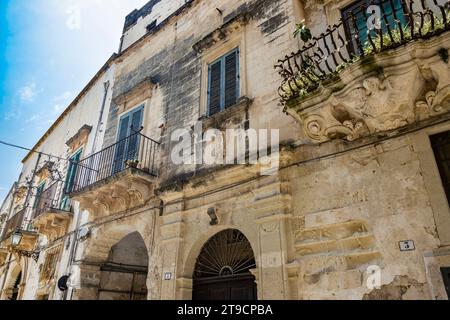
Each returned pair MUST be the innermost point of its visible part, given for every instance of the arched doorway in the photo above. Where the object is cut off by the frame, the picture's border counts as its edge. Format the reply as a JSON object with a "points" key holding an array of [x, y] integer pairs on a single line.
{"points": [[16, 287], [222, 271], [124, 274]]}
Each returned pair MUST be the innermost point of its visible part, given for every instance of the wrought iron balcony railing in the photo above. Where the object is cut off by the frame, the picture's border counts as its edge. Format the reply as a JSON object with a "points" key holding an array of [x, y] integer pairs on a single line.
{"points": [[14, 223], [136, 151], [324, 56], [53, 198]]}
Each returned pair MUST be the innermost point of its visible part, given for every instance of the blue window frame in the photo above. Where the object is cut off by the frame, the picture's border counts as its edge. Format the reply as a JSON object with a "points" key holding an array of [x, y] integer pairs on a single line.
{"points": [[70, 179], [388, 8], [223, 82], [128, 149]]}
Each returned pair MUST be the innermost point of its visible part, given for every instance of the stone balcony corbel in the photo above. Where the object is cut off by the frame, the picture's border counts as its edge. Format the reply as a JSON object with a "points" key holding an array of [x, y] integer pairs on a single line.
{"points": [[124, 191], [377, 93], [53, 223]]}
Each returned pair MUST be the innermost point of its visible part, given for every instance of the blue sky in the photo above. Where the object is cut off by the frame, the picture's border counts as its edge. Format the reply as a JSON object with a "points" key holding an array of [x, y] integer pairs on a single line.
{"points": [[49, 50]]}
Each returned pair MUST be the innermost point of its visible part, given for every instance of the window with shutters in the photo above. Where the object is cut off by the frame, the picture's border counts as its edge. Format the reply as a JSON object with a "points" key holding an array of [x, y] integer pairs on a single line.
{"points": [[128, 138], [223, 82], [48, 269], [392, 12]]}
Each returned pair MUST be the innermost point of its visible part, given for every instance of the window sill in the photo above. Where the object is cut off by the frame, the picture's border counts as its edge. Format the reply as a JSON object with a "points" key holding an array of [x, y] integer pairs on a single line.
{"points": [[233, 115]]}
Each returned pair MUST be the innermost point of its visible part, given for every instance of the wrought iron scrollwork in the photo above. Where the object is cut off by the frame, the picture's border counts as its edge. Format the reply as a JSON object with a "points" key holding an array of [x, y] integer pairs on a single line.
{"points": [[228, 253]]}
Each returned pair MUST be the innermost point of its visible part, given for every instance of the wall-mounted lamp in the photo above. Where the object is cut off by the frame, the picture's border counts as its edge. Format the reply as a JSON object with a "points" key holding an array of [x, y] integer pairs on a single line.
{"points": [[213, 216], [16, 240]]}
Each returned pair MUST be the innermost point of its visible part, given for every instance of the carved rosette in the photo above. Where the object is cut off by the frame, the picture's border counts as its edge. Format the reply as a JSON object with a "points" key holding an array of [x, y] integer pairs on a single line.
{"points": [[393, 91]]}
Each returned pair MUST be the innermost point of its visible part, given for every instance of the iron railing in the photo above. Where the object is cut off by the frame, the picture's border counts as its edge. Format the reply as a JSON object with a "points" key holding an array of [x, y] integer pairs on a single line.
{"points": [[323, 57], [53, 198], [14, 223], [136, 151]]}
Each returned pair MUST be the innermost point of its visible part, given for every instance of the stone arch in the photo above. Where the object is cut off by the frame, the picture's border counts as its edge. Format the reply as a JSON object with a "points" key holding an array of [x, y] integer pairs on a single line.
{"points": [[124, 275], [98, 251], [235, 279], [204, 237], [14, 281]]}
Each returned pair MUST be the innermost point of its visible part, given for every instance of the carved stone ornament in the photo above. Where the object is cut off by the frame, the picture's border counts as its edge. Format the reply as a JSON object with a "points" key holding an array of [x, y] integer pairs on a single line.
{"points": [[392, 91], [127, 190]]}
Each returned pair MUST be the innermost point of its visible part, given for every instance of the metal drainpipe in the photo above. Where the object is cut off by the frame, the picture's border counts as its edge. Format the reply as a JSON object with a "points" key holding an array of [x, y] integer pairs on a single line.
{"points": [[74, 245], [30, 187], [102, 111]]}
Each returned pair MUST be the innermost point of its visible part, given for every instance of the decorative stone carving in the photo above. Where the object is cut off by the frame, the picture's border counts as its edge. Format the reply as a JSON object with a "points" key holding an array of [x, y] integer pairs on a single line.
{"points": [[53, 223], [139, 93], [127, 190], [79, 139], [378, 95]]}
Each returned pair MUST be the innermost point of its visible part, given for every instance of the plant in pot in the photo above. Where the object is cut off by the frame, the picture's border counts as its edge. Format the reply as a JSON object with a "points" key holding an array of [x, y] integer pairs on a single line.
{"points": [[303, 32], [132, 163]]}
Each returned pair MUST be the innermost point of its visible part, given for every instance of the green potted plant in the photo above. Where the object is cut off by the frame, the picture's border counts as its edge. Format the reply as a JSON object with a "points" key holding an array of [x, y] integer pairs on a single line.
{"points": [[302, 31], [132, 163]]}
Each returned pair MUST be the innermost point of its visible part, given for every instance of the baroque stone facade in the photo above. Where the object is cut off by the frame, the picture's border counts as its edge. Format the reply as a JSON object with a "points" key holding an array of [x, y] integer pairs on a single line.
{"points": [[359, 177]]}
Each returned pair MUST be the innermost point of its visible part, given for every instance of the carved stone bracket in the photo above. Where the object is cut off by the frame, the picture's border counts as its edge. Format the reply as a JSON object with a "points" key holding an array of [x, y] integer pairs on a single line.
{"points": [[125, 191], [379, 94], [53, 224]]}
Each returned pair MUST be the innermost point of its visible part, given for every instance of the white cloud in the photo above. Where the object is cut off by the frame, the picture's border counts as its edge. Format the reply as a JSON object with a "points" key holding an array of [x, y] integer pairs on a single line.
{"points": [[73, 21], [28, 92], [64, 97]]}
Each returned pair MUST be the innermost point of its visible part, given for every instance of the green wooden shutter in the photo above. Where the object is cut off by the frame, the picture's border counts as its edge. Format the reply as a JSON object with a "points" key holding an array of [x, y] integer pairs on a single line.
{"points": [[215, 85], [133, 144], [231, 79], [119, 157]]}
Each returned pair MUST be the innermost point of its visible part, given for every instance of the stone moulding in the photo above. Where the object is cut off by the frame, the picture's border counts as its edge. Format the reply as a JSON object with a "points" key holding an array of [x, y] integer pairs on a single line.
{"points": [[233, 24], [126, 190], [80, 138], [379, 94], [135, 95]]}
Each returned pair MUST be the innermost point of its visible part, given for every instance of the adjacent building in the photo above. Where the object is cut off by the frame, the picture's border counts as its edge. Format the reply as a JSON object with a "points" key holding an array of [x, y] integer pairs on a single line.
{"points": [[348, 198]]}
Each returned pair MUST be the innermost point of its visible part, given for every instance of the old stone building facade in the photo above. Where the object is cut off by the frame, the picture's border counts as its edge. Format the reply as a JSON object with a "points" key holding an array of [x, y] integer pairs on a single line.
{"points": [[357, 207]]}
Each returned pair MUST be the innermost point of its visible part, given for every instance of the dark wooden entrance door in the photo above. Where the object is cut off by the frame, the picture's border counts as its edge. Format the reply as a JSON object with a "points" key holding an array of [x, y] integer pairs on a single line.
{"points": [[242, 288], [446, 277]]}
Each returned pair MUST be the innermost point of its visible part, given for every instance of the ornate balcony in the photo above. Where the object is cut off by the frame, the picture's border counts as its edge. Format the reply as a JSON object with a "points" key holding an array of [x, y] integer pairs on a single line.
{"points": [[29, 238], [118, 178], [52, 214], [351, 82]]}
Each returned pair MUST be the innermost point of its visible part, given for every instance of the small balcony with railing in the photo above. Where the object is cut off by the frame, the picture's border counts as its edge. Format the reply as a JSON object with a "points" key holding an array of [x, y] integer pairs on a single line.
{"points": [[52, 211], [18, 222], [117, 178], [373, 72]]}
